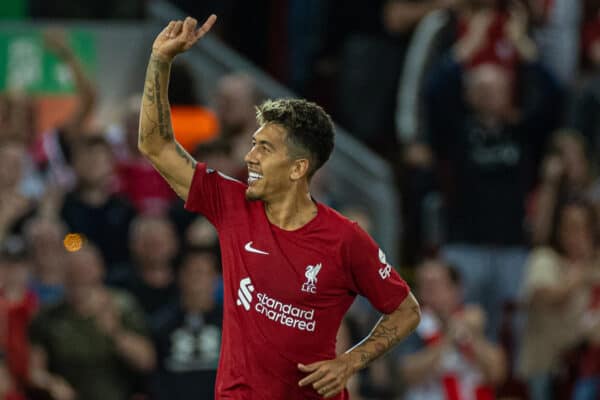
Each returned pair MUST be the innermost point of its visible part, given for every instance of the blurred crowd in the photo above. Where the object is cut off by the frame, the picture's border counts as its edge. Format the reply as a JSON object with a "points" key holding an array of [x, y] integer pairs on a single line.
{"points": [[489, 113]]}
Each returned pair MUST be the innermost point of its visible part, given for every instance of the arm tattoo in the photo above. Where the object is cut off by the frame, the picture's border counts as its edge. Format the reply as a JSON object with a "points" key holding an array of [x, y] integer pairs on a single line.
{"points": [[185, 155], [157, 117], [383, 337], [387, 333], [162, 107]]}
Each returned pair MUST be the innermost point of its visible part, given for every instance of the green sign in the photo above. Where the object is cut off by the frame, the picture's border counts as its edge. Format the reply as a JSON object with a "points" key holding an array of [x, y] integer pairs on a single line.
{"points": [[25, 63]]}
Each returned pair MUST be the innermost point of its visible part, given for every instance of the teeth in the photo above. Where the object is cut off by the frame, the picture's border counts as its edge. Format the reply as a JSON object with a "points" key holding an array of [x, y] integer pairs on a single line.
{"points": [[253, 176]]}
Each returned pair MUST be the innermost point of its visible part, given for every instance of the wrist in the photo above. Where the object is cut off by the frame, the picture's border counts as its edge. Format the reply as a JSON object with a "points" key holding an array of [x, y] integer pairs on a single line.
{"points": [[158, 55], [353, 360]]}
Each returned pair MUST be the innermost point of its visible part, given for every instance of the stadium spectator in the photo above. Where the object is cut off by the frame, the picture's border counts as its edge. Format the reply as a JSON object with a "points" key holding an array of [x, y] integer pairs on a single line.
{"points": [[556, 292], [92, 209], [150, 277], [187, 333], [449, 357], [566, 174], [139, 182], [487, 126], [44, 239], [93, 344], [53, 151], [15, 206], [361, 31], [18, 305], [236, 99]]}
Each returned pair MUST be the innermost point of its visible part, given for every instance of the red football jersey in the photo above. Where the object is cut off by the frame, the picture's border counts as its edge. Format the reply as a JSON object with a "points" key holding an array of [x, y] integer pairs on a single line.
{"points": [[286, 292]]}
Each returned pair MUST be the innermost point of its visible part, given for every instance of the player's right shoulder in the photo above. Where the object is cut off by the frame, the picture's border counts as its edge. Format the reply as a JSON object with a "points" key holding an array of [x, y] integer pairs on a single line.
{"points": [[205, 172], [212, 192]]}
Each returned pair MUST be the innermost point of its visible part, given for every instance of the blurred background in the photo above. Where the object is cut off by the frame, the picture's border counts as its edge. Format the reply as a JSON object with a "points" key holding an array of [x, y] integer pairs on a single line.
{"points": [[468, 139]]}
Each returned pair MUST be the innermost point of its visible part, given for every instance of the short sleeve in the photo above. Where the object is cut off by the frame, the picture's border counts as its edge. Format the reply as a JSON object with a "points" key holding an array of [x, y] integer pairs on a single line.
{"points": [[542, 270], [212, 193], [371, 275]]}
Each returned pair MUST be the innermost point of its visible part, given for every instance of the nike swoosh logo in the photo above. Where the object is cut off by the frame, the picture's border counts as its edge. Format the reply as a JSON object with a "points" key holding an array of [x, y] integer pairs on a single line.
{"points": [[248, 247]]}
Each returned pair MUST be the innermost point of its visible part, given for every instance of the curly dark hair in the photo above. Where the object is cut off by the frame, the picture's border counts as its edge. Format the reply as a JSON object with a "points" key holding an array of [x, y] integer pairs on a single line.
{"points": [[309, 128]]}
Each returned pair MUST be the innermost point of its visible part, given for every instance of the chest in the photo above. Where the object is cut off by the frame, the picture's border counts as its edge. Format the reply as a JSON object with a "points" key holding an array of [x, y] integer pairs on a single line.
{"points": [[491, 149], [294, 267], [69, 340]]}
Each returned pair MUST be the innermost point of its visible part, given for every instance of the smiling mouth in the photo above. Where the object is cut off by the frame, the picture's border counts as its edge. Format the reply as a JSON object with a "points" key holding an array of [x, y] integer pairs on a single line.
{"points": [[253, 177]]}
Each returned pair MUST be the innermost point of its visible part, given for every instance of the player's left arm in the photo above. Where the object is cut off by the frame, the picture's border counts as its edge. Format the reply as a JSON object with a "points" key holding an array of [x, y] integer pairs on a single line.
{"points": [[329, 377]]}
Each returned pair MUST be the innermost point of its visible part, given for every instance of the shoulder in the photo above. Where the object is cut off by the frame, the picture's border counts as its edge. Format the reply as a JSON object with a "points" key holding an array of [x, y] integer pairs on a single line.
{"points": [[336, 229], [204, 172], [336, 221]]}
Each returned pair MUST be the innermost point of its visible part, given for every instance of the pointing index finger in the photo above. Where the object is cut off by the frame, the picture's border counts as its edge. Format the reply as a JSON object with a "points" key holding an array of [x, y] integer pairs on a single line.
{"points": [[208, 24]]}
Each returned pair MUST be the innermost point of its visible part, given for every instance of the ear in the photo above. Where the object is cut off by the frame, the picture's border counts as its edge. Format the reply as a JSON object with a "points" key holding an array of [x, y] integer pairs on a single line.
{"points": [[299, 169]]}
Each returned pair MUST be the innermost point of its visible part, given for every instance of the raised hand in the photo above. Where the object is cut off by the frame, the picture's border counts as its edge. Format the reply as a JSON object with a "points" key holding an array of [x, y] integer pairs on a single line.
{"points": [[179, 36], [55, 39]]}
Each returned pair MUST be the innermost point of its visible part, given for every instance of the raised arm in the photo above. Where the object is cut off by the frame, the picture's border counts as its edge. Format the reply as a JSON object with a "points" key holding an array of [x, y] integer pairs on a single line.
{"points": [[56, 42], [156, 140]]}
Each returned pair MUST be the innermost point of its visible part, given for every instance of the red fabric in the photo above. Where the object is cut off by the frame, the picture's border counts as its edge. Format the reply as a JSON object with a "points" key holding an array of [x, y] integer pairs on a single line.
{"points": [[143, 186], [484, 393], [276, 314], [497, 49], [15, 339], [14, 396], [451, 387], [595, 298], [589, 364]]}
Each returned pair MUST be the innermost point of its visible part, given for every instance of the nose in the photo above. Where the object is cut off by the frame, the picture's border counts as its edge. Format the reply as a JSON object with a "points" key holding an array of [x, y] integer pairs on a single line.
{"points": [[249, 158]]}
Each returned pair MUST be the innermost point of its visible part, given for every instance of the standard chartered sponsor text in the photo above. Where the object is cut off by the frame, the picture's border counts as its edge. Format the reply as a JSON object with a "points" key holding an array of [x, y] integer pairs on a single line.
{"points": [[285, 314]]}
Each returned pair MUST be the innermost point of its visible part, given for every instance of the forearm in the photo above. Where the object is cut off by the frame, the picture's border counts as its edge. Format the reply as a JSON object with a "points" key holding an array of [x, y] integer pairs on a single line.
{"points": [[490, 359], [156, 130], [86, 93], [388, 331], [418, 366], [83, 84], [136, 350]]}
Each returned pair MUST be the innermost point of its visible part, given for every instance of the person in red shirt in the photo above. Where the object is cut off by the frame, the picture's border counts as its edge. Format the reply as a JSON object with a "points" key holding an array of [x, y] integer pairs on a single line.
{"points": [[18, 306], [291, 265]]}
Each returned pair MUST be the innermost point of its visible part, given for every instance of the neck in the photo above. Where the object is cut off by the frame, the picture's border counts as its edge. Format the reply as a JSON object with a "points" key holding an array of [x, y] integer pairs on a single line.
{"points": [[292, 211], [196, 303], [93, 195]]}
